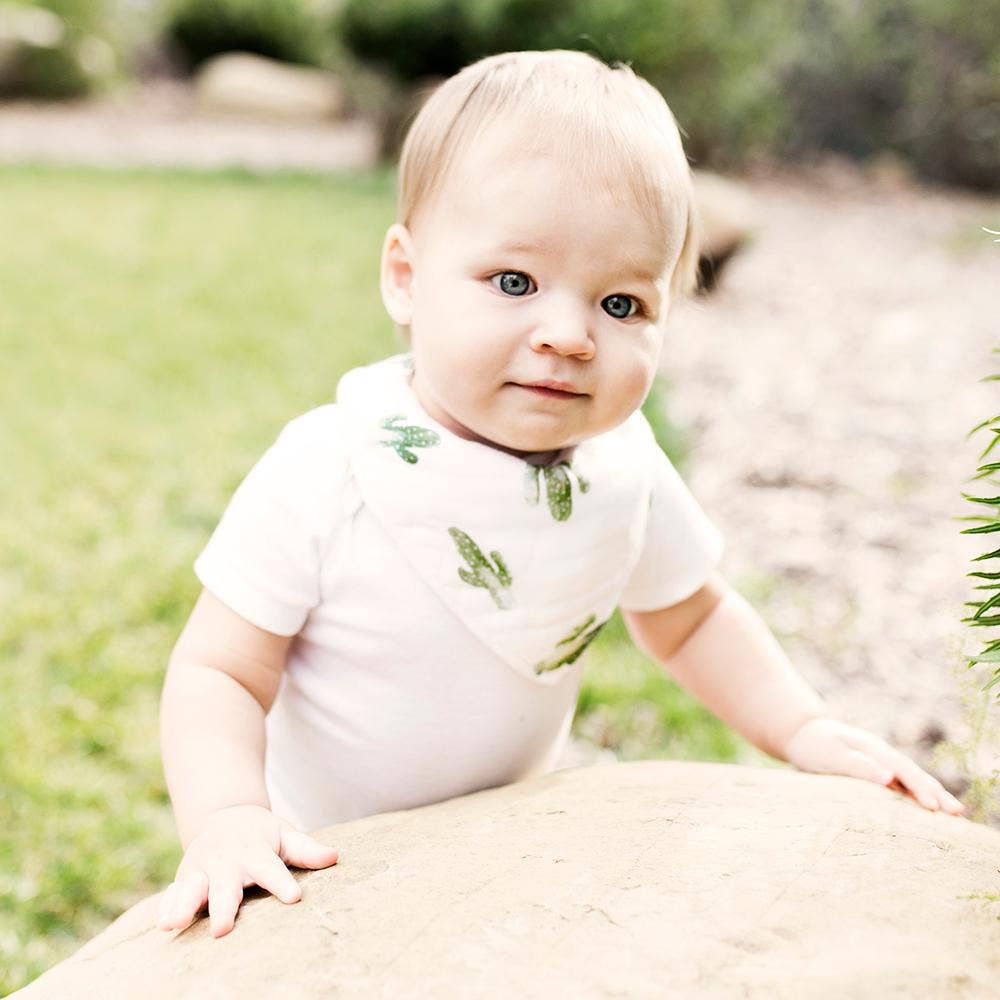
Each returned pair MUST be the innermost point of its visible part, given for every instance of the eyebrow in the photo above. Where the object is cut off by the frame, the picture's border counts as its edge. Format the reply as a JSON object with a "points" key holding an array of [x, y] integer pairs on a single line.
{"points": [[536, 247], [526, 246]]}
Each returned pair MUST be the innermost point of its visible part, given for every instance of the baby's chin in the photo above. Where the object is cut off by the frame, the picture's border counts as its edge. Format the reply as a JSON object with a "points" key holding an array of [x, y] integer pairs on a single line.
{"points": [[534, 437], [530, 442], [530, 433]]}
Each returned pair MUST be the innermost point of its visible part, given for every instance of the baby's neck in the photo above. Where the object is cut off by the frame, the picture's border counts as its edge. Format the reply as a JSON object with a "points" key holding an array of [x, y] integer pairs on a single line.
{"points": [[547, 457]]}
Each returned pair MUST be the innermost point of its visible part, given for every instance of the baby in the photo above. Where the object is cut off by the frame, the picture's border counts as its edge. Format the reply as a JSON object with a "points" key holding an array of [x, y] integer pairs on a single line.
{"points": [[396, 599]]}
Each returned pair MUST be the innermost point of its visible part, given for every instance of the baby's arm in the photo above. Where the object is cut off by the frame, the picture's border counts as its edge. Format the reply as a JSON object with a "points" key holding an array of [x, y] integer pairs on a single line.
{"points": [[717, 647], [222, 678]]}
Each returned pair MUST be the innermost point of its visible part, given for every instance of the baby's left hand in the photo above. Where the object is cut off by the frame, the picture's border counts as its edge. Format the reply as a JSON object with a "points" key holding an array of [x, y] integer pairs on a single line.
{"points": [[826, 746]]}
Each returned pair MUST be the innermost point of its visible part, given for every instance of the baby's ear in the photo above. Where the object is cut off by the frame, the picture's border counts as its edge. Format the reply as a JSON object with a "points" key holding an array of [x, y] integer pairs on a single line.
{"points": [[397, 274]]}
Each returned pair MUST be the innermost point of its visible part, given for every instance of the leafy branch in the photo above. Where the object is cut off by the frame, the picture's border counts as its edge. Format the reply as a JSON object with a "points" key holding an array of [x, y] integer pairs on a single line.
{"points": [[987, 525]]}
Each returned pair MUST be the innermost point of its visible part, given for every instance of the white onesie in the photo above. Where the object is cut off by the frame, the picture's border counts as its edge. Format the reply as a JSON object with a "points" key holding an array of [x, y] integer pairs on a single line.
{"points": [[438, 592]]}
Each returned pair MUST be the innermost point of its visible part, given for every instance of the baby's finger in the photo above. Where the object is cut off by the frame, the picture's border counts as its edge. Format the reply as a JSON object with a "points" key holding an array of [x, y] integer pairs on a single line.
{"points": [[269, 873], [948, 801], [225, 893], [927, 790], [861, 765], [302, 851], [184, 898], [166, 907], [943, 798], [919, 795]]}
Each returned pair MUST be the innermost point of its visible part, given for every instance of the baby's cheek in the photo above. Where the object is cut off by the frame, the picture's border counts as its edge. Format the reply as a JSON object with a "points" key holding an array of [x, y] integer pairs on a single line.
{"points": [[637, 381]]}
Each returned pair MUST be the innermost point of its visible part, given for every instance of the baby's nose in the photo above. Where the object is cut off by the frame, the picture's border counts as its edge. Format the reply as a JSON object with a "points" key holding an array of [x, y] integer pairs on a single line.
{"points": [[567, 333]]}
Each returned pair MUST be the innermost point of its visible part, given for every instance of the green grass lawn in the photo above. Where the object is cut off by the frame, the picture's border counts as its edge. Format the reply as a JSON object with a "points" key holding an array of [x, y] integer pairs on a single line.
{"points": [[157, 330]]}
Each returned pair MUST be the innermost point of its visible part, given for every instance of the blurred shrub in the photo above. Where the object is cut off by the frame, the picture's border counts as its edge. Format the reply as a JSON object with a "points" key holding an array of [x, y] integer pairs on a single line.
{"points": [[82, 17], [921, 77], [711, 59], [746, 77], [54, 48], [290, 30], [51, 73], [411, 38], [704, 55]]}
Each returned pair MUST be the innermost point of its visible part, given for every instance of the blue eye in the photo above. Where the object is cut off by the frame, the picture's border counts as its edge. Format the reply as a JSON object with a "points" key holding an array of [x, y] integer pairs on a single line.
{"points": [[620, 306], [512, 282]]}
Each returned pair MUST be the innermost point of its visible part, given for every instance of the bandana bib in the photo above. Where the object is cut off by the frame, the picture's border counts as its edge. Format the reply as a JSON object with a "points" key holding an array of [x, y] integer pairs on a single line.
{"points": [[531, 557]]}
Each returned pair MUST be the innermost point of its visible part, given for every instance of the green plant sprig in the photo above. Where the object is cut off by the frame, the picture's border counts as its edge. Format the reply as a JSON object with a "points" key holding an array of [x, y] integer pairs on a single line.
{"points": [[986, 525]]}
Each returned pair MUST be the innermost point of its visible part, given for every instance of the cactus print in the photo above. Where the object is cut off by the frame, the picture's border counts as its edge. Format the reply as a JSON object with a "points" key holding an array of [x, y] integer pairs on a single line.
{"points": [[410, 436], [490, 573], [577, 641], [558, 487]]}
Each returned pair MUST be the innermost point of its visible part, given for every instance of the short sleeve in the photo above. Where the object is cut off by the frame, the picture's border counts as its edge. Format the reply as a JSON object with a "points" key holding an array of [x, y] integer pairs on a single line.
{"points": [[263, 560], [681, 548]]}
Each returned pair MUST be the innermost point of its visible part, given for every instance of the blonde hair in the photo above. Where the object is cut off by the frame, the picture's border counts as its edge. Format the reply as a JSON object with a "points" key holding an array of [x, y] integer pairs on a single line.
{"points": [[604, 123]]}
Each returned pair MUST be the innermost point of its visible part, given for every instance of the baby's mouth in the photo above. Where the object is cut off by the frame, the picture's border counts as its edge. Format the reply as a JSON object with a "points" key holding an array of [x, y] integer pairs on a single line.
{"points": [[551, 389]]}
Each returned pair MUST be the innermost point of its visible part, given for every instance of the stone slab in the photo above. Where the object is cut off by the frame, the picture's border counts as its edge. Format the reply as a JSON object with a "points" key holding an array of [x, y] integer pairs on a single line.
{"points": [[646, 879]]}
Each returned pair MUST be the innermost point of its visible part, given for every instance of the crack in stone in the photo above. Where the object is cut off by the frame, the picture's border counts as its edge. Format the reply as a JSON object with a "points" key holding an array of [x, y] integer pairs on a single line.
{"points": [[805, 871], [448, 908], [123, 941], [604, 913]]}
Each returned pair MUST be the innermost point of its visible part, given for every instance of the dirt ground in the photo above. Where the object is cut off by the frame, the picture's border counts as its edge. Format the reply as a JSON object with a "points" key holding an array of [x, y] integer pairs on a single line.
{"points": [[828, 385]]}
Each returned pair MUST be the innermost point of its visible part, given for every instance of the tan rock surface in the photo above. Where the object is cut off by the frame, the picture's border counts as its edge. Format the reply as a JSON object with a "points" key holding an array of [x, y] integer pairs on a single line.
{"points": [[246, 84], [648, 879], [727, 213]]}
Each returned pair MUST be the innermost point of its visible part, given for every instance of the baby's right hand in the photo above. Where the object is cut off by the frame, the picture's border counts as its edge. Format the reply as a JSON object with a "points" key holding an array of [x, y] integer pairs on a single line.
{"points": [[239, 846]]}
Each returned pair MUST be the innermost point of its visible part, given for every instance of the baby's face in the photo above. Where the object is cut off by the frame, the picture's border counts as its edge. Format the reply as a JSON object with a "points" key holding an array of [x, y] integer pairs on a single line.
{"points": [[537, 305]]}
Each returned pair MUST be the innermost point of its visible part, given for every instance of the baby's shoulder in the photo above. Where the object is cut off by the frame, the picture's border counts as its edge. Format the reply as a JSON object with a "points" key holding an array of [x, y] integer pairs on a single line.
{"points": [[311, 450], [321, 429]]}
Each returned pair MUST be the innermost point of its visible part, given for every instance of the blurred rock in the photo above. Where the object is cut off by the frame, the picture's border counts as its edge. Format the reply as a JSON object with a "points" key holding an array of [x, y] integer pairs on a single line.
{"points": [[728, 219], [646, 879], [25, 25], [244, 84], [890, 170]]}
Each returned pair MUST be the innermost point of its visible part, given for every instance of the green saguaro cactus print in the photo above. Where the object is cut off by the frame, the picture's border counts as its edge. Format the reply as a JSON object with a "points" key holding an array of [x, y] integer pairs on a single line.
{"points": [[576, 642], [558, 487], [410, 436], [490, 573]]}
